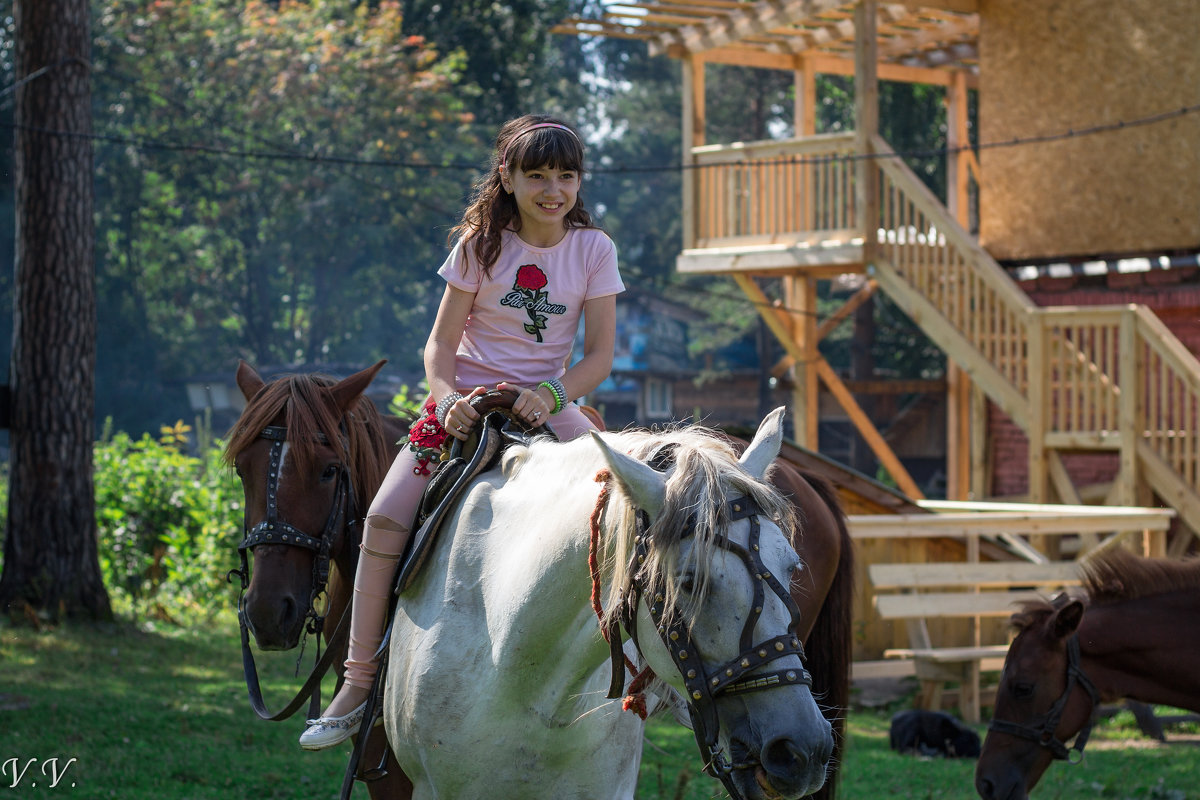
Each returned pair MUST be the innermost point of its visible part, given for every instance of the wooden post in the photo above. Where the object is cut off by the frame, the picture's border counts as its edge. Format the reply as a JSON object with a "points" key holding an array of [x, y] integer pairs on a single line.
{"points": [[693, 136], [805, 109], [1039, 392], [866, 123], [959, 419], [957, 137], [801, 298]]}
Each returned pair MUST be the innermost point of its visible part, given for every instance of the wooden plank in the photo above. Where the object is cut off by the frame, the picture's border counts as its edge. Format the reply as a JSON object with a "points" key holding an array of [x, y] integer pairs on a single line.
{"points": [[948, 655], [772, 258], [988, 574], [936, 504], [952, 604], [887, 668], [906, 526]]}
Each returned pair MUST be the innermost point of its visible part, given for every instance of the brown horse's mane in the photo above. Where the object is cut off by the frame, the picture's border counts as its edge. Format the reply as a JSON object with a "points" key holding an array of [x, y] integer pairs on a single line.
{"points": [[308, 408], [1117, 575]]}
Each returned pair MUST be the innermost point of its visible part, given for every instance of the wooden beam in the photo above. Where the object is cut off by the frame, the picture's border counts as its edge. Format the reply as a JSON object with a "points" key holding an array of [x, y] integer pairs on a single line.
{"points": [[692, 136], [963, 524], [805, 80], [959, 6], [868, 431], [966, 574], [866, 123], [849, 307], [733, 25]]}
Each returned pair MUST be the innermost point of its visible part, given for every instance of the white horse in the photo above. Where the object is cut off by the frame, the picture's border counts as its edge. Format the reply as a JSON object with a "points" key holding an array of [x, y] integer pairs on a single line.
{"points": [[498, 668]]}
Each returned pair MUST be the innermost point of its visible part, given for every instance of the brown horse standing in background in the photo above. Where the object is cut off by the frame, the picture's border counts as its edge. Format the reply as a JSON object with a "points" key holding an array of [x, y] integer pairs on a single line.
{"points": [[301, 441], [311, 413], [1133, 637]]}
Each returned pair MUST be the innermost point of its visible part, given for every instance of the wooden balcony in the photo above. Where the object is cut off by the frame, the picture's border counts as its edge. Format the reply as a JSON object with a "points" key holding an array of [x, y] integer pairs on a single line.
{"points": [[762, 207]]}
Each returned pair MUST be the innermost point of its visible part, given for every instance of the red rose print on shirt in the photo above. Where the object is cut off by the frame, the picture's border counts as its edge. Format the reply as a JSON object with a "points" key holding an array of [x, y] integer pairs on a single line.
{"points": [[530, 277], [528, 292]]}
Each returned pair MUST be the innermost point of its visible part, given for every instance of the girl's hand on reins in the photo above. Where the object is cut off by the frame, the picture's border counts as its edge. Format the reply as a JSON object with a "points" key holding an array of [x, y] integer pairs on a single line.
{"points": [[461, 418], [531, 405]]}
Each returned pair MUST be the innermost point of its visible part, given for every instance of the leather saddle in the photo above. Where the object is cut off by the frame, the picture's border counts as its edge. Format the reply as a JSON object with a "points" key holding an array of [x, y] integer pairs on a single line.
{"points": [[497, 430]]}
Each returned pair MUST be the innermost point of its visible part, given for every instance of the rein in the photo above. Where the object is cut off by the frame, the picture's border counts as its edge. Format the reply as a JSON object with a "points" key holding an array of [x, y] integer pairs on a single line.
{"points": [[274, 530], [1041, 731], [703, 686]]}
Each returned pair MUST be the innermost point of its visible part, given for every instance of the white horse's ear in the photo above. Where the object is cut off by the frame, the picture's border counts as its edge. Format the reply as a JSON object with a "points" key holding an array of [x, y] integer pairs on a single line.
{"points": [[765, 447], [646, 487]]}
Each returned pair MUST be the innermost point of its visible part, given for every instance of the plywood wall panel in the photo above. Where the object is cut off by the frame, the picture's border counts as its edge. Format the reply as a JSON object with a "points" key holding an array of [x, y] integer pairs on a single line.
{"points": [[1049, 66]]}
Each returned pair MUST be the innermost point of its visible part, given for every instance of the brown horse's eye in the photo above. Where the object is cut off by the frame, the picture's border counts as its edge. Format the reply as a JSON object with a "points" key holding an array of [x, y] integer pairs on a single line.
{"points": [[1022, 691], [330, 473]]}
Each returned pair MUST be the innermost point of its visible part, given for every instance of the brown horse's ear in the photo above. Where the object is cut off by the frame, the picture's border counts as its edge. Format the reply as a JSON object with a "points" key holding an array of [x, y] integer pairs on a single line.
{"points": [[348, 390], [1066, 619], [248, 380]]}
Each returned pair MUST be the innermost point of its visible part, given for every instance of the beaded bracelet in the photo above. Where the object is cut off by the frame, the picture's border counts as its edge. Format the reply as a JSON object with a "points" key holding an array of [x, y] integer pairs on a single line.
{"points": [[443, 407], [554, 385]]}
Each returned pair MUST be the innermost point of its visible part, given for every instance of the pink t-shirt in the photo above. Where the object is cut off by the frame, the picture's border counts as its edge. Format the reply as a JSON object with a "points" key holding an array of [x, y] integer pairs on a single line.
{"points": [[524, 318]]}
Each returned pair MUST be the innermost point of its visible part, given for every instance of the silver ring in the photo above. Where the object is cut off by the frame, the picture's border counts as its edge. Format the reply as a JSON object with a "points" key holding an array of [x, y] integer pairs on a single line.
{"points": [[459, 428], [537, 414]]}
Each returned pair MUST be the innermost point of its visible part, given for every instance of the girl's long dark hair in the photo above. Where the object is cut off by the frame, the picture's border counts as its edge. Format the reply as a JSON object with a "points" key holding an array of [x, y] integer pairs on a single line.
{"points": [[492, 210]]}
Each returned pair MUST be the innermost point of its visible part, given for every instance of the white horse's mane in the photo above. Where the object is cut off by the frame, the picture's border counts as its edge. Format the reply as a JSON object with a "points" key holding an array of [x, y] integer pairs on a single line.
{"points": [[702, 474]]}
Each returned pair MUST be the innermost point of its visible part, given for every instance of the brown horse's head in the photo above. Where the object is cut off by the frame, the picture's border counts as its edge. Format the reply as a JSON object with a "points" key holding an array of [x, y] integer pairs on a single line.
{"points": [[310, 452], [1033, 691]]}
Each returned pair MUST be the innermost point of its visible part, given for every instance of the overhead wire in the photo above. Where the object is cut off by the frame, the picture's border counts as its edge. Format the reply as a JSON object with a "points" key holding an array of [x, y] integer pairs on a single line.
{"points": [[207, 149]]}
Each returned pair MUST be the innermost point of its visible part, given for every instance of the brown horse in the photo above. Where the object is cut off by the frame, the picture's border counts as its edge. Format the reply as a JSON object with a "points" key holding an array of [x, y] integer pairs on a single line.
{"points": [[1133, 636], [311, 453], [282, 580]]}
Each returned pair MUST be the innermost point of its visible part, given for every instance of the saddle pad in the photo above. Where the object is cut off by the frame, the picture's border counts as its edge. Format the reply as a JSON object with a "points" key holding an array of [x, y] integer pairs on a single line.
{"points": [[495, 434]]}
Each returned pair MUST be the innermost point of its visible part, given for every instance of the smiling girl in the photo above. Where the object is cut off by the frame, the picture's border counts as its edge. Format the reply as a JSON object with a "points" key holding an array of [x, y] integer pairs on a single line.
{"points": [[526, 265]]}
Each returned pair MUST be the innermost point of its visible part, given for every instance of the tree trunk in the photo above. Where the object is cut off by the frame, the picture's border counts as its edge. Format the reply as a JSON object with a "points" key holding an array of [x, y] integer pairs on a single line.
{"points": [[51, 566]]}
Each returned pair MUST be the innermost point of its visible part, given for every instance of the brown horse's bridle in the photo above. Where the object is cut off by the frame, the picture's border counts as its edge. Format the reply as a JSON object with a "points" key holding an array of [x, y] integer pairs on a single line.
{"points": [[1041, 729], [705, 686], [273, 530]]}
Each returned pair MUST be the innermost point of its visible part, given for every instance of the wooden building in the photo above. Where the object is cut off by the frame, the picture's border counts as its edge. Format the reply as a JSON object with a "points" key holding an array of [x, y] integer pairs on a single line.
{"points": [[1089, 135], [1087, 149]]}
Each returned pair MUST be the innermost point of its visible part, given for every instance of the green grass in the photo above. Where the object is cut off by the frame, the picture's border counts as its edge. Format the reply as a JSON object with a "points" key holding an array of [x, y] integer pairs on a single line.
{"points": [[163, 714]]}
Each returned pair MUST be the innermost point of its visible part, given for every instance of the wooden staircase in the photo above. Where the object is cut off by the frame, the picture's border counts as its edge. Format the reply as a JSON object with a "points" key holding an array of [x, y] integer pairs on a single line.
{"points": [[1101, 378]]}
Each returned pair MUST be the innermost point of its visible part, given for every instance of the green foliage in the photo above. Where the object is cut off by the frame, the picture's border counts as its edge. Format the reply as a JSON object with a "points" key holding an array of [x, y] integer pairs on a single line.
{"points": [[262, 242], [169, 524], [406, 404]]}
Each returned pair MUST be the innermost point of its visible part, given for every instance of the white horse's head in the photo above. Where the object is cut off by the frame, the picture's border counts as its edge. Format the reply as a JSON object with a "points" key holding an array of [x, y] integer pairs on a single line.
{"points": [[715, 616]]}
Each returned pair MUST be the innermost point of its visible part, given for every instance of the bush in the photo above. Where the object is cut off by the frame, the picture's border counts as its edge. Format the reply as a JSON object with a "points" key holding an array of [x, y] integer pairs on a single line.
{"points": [[169, 525]]}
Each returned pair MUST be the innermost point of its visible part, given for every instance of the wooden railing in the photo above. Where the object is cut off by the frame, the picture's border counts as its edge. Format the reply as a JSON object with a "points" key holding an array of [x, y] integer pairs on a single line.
{"points": [[1168, 414], [766, 192], [1082, 375], [940, 269], [1107, 377]]}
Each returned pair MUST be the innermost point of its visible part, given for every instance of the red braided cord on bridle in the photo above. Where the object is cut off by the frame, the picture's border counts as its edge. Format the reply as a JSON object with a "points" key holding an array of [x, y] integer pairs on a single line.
{"points": [[635, 701]]}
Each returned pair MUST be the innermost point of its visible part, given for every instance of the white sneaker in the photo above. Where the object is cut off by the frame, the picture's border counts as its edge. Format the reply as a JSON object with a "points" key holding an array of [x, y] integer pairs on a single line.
{"points": [[326, 732]]}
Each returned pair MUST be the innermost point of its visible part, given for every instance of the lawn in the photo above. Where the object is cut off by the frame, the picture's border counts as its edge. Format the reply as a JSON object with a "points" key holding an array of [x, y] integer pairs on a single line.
{"points": [[153, 714]]}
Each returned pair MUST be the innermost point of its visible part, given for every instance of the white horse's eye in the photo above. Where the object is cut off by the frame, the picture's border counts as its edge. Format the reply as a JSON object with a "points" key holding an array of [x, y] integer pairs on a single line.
{"points": [[687, 583]]}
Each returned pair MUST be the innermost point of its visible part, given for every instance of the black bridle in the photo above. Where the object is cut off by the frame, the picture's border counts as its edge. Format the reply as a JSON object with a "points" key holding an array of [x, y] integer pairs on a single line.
{"points": [[705, 686], [1041, 729], [273, 530]]}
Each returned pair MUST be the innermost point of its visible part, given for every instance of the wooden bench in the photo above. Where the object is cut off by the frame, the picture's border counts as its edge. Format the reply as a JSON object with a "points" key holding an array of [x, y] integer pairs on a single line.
{"points": [[967, 590]]}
